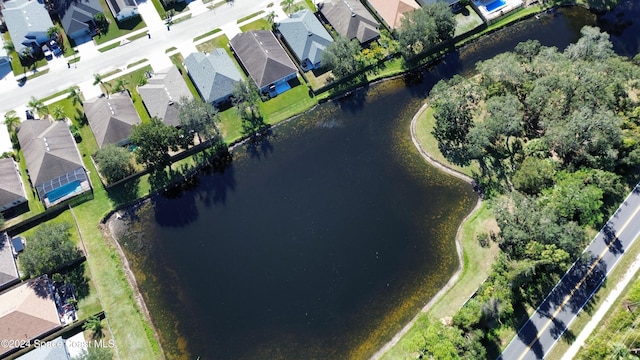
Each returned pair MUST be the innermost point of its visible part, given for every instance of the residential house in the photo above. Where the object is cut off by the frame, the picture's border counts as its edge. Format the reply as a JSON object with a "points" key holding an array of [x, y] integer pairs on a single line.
{"points": [[350, 19], [306, 37], [8, 269], [27, 312], [265, 60], [392, 11], [77, 17], [123, 9], [54, 164], [55, 349], [111, 118], [11, 188], [5, 59], [214, 75], [28, 22], [162, 93]]}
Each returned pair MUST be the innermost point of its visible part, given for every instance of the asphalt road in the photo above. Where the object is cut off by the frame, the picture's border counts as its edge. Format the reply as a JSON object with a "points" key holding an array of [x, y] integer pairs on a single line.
{"points": [[540, 333]]}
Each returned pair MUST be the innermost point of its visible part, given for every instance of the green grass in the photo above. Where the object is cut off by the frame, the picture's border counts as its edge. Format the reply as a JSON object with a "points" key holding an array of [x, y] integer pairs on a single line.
{"points": [[221, 41], [159, 9], [467, 22], [109, 47], [117, 29], [241, 20], [260, 24], [137, 63], [209, 33], [177, 60], [173, 48], [138, 36], [288, 104], [477, 266]]}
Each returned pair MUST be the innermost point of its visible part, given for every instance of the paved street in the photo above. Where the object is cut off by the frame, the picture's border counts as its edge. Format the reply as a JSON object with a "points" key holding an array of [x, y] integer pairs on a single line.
{"points": [[536, 338], [92, 62]]}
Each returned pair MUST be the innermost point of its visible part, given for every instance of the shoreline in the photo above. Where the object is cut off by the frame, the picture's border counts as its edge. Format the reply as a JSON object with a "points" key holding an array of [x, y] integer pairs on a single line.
{"points": [[458, 240]]}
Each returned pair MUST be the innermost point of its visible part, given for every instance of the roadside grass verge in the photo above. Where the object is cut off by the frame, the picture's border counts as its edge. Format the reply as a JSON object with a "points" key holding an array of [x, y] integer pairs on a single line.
{"points": [[243, 19], [137, 63], [209, 33], [477, 266], [221, 41], [595, 303]]}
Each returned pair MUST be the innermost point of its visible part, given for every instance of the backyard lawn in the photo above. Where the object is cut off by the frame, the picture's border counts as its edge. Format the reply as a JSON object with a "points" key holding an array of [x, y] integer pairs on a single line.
{"points": [[117, 29]]}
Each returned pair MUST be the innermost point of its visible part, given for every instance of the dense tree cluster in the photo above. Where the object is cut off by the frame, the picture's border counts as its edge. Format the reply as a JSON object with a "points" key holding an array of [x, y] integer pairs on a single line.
{"points": [[50, 247], [555, 137], [421, 29], [154, 140]]}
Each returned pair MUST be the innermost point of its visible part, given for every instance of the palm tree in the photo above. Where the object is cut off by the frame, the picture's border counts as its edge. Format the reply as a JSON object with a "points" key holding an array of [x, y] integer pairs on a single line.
{"points": [[26, 53], [75, 95], [58, 112], [271, 18], [94, 324], [120, 85], [9, 47], [53, 32], [287, 5], [37, 106], [11, 120], [97, 79]]}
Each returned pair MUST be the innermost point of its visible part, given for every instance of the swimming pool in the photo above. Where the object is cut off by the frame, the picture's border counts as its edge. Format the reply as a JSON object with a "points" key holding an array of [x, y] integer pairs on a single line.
{"points": [[495, 5], [64, 190]]}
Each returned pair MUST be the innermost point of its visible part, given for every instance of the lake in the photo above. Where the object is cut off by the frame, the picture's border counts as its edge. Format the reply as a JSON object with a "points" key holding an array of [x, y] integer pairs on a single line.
{"points": [[324, 238]]}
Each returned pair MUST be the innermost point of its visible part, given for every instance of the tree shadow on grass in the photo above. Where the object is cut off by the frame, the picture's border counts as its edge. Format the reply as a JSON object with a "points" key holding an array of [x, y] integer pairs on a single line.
{"points": [[125, 192]]}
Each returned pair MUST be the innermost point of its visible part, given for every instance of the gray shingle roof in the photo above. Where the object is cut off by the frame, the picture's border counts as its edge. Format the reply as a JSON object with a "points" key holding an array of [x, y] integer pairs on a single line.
{"points": [[111, 118], [27, 22], [305, 35], [8, 269], [263, 57], [214, 74], [11, 188], [54, 350], [49, 150], [162, 92], [350, 19], [77, 14], [117, 5]]}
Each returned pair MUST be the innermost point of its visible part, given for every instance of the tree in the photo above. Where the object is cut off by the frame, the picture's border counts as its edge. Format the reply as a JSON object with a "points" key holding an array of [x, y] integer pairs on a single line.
{"points": [[94, 324], [120, 85], [573, 199], [75, 95], [534, 175], [287, 5], [199, 117], [37, 106], [341, 56], [114, 162], [58, 112], [271, 17], [245, 99], [9, 47], [423, 28], [102, 23], [54, 33], [592, 45], [11, 120], [50, 247], [27, 53], [154, 140], [97, 79]]}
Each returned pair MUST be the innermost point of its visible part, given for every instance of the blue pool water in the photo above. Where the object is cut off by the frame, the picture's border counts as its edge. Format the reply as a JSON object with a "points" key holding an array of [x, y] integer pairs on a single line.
{"points": [[494, 5], [70, 188]]}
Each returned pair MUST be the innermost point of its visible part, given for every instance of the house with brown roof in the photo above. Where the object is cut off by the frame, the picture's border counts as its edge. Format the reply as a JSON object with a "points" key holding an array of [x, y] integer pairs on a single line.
{"points": [[350, 19], [54, 164], [27, 312], [11, 189], [111, 118], [266, 61], [162, 93], [392, 11]]}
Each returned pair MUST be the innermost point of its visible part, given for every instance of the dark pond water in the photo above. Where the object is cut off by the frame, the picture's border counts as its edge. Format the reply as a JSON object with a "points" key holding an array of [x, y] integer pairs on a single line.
{"points": [[322, 241]]}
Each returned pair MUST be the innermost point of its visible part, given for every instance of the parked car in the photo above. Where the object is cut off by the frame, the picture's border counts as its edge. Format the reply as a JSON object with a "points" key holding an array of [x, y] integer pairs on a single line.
{"points": [[55, 48], [47, 53], [28, 114]]}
